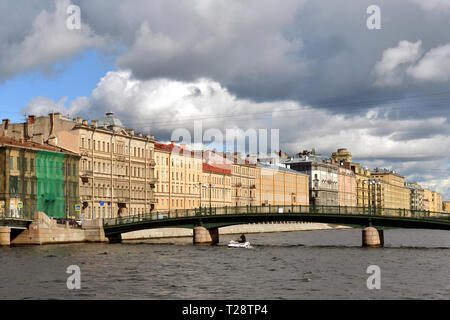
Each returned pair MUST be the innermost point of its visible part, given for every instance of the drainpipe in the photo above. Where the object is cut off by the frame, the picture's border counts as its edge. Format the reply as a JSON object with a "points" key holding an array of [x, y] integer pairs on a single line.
{"points": [[111, 171], [93, 166], [129, 175], [145, 175]]}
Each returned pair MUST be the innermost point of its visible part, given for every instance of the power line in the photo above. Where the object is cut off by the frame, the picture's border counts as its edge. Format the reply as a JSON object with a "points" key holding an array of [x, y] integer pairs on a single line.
{"points": [[297, 109]]}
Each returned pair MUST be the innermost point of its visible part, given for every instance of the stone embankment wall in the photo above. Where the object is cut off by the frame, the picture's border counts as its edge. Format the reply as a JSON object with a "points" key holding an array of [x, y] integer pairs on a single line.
{"points": [[237, 229], [44, 230]]}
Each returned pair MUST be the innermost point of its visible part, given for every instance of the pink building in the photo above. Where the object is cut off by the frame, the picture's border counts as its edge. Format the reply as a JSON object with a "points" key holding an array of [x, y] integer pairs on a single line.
{"points": [[346, 186]]}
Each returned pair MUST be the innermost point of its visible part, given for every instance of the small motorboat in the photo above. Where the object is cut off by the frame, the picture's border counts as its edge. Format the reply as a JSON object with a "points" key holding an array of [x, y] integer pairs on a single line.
{"points": [[235, 244]]}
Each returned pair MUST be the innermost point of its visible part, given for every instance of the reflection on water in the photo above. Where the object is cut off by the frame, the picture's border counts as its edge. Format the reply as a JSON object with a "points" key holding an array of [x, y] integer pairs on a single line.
{"points": [[327, 264]]}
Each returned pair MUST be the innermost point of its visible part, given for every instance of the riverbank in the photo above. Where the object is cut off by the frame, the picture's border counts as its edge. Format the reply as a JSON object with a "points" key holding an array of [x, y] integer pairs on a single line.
{"points": [[237, 229]]}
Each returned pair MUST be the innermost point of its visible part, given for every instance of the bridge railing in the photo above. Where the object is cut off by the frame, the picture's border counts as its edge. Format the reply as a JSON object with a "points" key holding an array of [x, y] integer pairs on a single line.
{"points": [[280, 209], [6, 215]]}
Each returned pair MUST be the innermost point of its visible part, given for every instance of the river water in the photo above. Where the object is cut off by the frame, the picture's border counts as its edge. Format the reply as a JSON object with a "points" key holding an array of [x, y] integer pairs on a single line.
{"points": [[327, 264]]}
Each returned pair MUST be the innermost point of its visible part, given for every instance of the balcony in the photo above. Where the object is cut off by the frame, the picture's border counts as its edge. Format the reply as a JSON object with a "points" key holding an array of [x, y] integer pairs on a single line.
{"points": [[152, 180]]}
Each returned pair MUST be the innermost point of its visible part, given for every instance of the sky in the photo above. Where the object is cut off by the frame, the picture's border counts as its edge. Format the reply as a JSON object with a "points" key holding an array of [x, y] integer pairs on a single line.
{"points": [[311, 69]]}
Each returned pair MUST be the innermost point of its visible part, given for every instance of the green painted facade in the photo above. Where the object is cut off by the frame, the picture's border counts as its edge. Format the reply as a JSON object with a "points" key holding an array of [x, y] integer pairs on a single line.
{"points": [[50, 197]]}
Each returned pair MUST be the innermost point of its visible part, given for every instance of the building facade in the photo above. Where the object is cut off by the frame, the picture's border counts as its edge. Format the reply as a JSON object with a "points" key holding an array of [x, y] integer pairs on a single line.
{"points": [[179, 175], [37, 178], [323, 179], [243, 181], [346, 186], [280, 186], [216, 187], [436, 202], [446, 206], [433, 200], [396, 194], [116, 172], [417, 196]]}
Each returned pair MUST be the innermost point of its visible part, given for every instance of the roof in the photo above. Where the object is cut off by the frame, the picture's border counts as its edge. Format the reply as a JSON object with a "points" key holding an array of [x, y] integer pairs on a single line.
{"points": [[110, 120], [279, 168], [306, 159], [209, 168], [173, 148], [26, 144]]}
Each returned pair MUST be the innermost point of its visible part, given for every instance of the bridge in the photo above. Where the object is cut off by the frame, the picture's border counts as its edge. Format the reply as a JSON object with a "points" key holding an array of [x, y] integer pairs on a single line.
{"points": [[206, 221], [11, 227]]}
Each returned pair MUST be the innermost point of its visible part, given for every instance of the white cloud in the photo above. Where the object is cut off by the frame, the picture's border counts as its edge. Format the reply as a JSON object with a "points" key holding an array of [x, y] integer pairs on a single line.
{"points": [[433, 4], [390, 70], [48, 42], [406, 60], [434, 66]]}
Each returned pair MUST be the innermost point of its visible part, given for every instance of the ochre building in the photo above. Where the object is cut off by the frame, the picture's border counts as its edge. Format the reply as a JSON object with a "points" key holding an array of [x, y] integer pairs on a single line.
{"points": [[280, 186], [179, 176]]}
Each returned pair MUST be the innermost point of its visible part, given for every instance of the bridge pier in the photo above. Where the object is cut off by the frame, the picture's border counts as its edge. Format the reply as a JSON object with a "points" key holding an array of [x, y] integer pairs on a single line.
{"points": [[371, 237], [5, 236], [205, 236], [117, 238]]}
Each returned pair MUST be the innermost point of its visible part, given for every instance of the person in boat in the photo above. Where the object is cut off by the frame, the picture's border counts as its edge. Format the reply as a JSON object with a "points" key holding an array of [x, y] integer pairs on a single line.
{"points": [[242, 239]]}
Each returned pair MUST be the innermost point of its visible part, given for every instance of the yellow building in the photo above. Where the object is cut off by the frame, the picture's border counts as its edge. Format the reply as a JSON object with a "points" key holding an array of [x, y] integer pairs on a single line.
{"points": [[446, 206], [434, 200], [362, 185], [216, 187], [243, 182], [395, 194], [281, 186], [342, 155], [178, 172], [437, 202]]}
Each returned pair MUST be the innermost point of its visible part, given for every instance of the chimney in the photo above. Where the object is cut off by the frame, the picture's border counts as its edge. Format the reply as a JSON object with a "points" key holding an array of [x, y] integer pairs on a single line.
{"points": [[140, 134], [52, 141], [172, 142], [85, 122], [5, 124], [31, 119], [94, 123], [131, 131], [52, 125], [79, 120]]}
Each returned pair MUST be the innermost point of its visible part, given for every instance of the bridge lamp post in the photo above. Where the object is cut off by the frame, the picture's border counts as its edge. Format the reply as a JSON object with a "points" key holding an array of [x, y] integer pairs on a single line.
{"points": [[199, 187], [373, 187]]}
